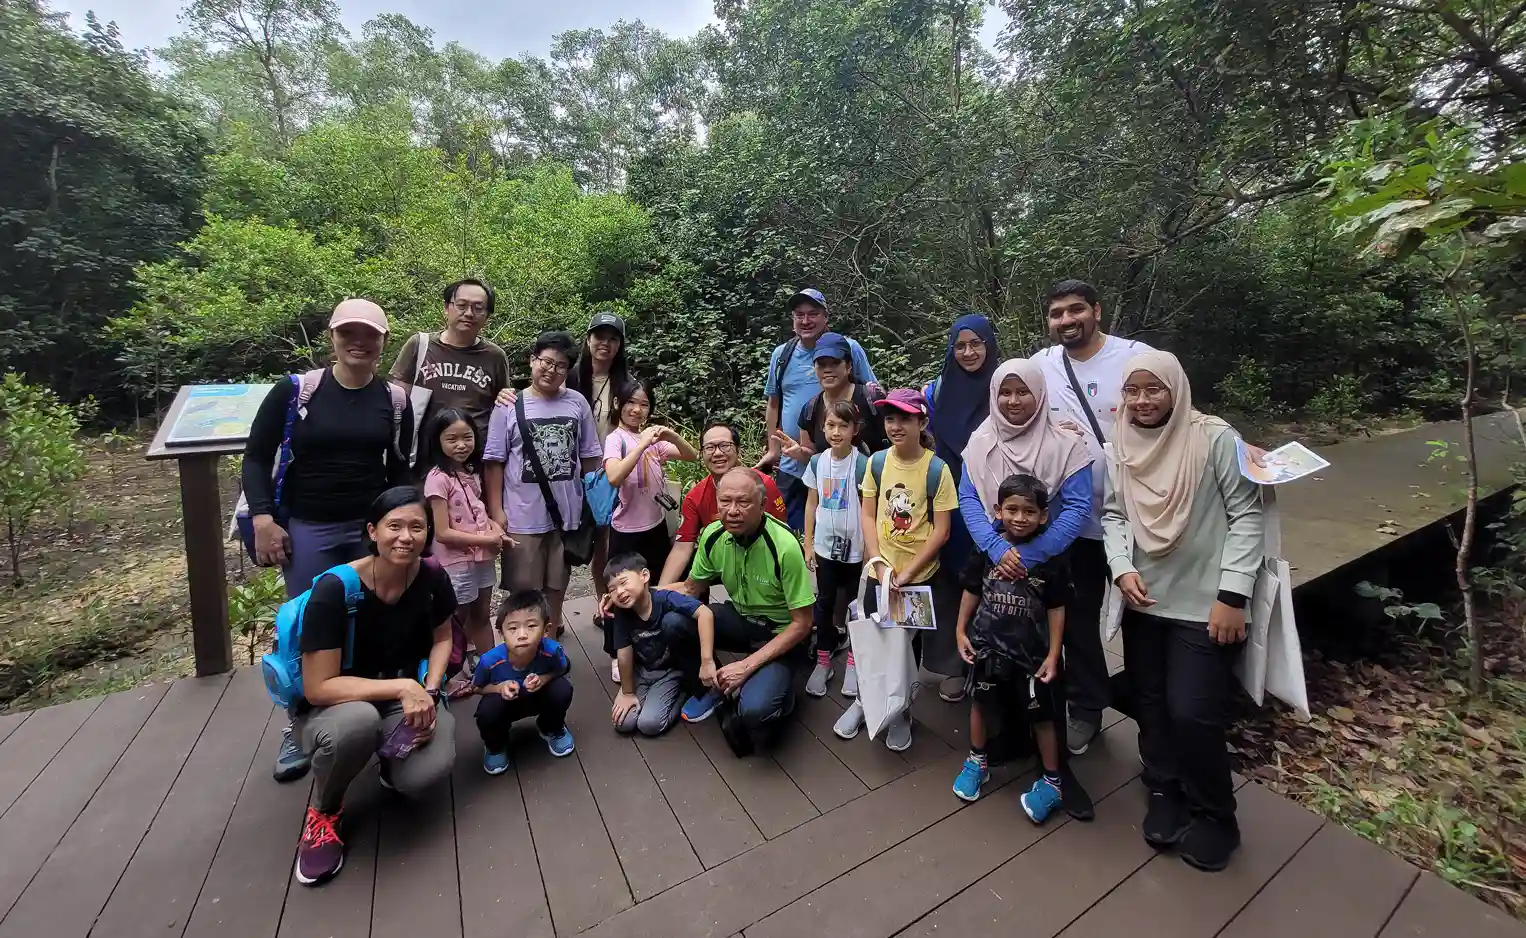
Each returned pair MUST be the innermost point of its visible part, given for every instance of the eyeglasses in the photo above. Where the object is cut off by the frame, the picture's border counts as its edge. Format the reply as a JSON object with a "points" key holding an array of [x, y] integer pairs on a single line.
{"points": [[725, 447], [556, 367], [970, 347], [1152, 393], [462, 306]]}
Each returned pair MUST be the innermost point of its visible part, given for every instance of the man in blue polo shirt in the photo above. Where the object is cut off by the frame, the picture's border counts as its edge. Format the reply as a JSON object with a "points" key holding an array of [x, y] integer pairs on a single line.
{"points": [[791, 383]]}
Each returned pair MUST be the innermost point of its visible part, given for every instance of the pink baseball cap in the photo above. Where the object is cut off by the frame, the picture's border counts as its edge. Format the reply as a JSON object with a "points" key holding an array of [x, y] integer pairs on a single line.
{"points": [[360, 312], [907, 400]]}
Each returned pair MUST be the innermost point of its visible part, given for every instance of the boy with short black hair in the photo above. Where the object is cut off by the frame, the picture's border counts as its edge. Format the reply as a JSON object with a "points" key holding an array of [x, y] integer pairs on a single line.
{"points": [[652, 637], [524, 676], [1011, 632]]}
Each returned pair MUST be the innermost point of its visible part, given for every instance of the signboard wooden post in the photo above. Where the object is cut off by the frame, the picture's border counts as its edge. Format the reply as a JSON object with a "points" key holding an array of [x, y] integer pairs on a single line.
{"points": [[205, 423]]}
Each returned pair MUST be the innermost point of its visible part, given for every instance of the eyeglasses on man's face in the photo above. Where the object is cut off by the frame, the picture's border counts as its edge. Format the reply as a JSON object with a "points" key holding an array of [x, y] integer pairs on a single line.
{"points": [[465, 306], [725, 446]]}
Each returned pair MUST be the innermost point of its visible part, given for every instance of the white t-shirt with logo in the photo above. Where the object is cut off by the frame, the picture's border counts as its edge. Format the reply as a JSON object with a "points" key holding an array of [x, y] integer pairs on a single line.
{"points": [[836, 485], [1101, 378]]}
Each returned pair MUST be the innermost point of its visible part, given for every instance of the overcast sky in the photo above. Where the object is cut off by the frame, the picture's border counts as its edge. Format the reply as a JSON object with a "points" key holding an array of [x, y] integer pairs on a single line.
{"points": [[495, 28]]}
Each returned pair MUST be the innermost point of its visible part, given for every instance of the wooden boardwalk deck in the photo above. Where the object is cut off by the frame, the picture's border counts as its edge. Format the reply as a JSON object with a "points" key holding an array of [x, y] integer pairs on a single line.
{"points": [[152, 813]]}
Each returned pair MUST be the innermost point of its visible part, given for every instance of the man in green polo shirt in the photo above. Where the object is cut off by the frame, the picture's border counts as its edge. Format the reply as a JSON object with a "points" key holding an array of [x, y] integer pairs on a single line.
{"points": [[768, 615]]}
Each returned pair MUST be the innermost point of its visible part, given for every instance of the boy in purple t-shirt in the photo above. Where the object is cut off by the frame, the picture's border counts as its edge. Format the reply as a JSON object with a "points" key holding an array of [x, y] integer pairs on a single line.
{"points": [[567, 445]]}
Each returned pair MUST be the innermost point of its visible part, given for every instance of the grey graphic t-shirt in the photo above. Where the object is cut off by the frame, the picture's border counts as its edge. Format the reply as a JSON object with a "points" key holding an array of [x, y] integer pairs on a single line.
{"points": [[562, 431]]}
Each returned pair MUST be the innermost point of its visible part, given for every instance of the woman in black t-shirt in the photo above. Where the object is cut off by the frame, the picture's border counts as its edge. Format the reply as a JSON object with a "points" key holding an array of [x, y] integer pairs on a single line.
{"points": [[363, 702]]}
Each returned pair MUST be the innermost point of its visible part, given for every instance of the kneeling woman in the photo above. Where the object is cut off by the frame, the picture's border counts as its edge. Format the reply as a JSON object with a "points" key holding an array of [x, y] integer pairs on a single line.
{"points": [[360, 707], [1183, 533]]}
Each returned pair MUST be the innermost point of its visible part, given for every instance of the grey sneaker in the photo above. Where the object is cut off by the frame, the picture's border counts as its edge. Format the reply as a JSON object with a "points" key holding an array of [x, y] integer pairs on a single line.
{"points": [[851, 721], [816, 684], [291, 762], [1079, 735], [898, 734], [850, 680], [951, 689]]}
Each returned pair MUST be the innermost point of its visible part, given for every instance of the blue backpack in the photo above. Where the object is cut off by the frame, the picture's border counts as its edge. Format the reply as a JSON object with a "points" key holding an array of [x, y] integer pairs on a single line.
{"points": [[283, 665]]}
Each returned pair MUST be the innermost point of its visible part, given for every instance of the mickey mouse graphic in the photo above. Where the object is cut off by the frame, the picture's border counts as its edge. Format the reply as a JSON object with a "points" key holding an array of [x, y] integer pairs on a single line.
{"points": [[899, 499]]}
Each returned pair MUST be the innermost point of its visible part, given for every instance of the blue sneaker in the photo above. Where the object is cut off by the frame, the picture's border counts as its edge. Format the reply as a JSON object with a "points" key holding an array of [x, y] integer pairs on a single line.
{"points": [[1040, 800], [560, 744], [496, 763], [974, 775], [698, 709], [291, 762]]}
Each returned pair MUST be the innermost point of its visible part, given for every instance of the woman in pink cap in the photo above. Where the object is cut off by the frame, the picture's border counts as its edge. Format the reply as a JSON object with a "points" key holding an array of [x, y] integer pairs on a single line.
{"points": [[321, 449]]}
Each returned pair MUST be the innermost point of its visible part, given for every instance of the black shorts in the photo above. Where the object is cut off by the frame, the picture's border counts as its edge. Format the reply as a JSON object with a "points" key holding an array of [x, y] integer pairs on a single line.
{"points": [[1003, 684]]}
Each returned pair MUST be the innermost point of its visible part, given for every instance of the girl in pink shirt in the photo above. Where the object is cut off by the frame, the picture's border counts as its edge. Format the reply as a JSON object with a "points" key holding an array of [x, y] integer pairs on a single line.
{"points": [[634, 454], [466, 541]]}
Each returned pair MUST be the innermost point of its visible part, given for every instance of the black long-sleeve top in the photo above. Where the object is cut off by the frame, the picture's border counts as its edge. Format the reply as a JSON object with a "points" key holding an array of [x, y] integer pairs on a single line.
{"points": [[342, 453]]}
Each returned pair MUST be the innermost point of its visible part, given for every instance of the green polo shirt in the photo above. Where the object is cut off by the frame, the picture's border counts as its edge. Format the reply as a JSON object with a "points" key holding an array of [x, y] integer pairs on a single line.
{"points": [[764, 579]]}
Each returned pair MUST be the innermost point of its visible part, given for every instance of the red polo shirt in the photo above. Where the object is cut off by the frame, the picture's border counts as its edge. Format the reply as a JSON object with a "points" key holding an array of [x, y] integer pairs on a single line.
{"points": [[699, 507]]}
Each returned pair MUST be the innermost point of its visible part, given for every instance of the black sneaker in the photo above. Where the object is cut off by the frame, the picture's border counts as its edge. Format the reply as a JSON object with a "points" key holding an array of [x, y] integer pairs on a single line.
{"points": [[1073, 797], [736, 734], [1166, 821], [1209, 843]]}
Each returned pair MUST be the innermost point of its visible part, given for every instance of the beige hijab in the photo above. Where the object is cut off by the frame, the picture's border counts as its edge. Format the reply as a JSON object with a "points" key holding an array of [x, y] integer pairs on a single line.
{"points": [[999, 448], [1159, 468]]}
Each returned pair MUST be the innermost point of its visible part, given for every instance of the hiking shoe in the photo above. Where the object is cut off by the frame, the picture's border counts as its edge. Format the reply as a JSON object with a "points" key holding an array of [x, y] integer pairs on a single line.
{"points": [[898, 733], [1079, 735], [496, 763], [1166, 820], [1040, 800], [851, 721], [971, 778], [321, 852], [816, 684], [700, 706], [560, 742], [850, 679], [1209, 843], [951, 689], [291, 762]]}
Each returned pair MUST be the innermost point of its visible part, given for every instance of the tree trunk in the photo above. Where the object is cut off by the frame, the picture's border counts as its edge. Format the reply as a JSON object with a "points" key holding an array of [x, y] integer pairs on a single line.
{"points": [[1470, 513], [15, 545]]}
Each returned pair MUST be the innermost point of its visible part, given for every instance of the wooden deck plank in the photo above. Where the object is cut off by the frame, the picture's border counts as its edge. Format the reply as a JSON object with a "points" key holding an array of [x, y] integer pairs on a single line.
{"points": [[712, 818], [1337, 886], [872, 764], [39, 818], [896, 888], [418, 891], [244, 888], [9, 722], [1168, 899], [77, 879], [33, 744], [341, 908], [159, 888], [1436, 909], [812, 766], [648, 839], [736, 894], [770, 797], [583, 878], [495, 854]]}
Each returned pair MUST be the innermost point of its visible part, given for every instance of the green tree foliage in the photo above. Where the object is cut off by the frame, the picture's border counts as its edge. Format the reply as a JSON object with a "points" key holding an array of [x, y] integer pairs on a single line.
{"points": [[40, 460], [99, 173]]}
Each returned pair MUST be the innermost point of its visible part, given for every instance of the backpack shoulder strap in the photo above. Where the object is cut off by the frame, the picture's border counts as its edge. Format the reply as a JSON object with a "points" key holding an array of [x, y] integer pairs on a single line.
{"points": [[354, 590], [860, 466], [420, 347], [785, 354], [814, 464], [877, 469], [307, 383], [399, 404], [935, 467]]}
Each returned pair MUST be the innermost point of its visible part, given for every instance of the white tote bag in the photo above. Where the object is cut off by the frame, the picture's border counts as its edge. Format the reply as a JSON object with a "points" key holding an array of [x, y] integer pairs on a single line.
{"points": [[418, 395], [882, 657], [1272, 661]]}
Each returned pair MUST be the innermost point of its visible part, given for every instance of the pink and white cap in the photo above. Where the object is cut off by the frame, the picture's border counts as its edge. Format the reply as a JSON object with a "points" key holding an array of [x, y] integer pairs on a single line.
{"points": [[359, 312]]}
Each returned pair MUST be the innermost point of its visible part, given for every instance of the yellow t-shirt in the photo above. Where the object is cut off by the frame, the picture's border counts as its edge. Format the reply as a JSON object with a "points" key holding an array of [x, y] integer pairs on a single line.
{"points": [[902, 519]]}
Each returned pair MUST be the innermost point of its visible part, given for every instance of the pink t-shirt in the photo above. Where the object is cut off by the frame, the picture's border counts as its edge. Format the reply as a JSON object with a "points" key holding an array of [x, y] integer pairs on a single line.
{"points": [[462, 493], [638, 509]]}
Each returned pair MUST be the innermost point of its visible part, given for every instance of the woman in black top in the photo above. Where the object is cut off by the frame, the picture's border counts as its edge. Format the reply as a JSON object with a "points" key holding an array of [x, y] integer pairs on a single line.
{"points": [[344, 454], [353, 711]]}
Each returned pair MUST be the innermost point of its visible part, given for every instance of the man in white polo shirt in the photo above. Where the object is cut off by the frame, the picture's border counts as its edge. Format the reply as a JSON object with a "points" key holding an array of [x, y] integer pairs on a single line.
{"points": [[1084, 375]]}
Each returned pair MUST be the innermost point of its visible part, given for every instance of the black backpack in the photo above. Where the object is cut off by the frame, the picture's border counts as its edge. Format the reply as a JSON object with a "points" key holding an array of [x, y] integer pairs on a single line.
{"points": [[871, 439]]}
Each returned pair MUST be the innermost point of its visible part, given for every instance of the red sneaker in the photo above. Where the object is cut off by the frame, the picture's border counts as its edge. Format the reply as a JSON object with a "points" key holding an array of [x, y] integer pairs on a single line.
{"points": [[321, 852]]}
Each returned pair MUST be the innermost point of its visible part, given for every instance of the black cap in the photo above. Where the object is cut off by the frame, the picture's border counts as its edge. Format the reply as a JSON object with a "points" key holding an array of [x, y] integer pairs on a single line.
{"points": [[607, 321]]}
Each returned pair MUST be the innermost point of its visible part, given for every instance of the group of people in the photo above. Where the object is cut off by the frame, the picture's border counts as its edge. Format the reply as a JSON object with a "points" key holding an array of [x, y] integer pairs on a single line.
{"points": [[1018, 492]]}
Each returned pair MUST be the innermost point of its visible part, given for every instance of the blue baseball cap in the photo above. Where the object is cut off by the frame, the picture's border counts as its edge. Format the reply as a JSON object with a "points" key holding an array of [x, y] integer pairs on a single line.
{"points": [[831, 345], [812, 295]]}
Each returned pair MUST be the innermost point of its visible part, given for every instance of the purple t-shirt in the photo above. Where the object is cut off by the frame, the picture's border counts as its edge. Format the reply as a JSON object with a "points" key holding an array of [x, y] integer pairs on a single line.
{"points": [[564, 435]]}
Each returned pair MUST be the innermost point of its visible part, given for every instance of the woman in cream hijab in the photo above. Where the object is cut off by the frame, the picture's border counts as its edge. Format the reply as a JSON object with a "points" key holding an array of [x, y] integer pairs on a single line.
{"points": [[1183, 533]]}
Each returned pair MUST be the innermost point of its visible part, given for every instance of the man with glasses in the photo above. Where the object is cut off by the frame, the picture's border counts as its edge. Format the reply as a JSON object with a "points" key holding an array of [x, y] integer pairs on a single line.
{"points": [[461, 369], [566, 444], [720, 449], [791, 383]]}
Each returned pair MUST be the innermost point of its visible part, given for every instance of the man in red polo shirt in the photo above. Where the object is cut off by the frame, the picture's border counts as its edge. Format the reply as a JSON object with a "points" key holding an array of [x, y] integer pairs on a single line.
{"points": [[719, 446]]}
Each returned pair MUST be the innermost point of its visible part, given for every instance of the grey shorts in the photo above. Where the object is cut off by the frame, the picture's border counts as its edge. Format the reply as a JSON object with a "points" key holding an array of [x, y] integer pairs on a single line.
{"points": [[537, 563]]}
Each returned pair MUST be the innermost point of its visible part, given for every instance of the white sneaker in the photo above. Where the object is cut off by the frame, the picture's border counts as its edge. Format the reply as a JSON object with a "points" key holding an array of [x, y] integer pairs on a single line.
{"points": [[851, 721], [850, 681], [614, 670], [816, 684], [898, 734]]}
